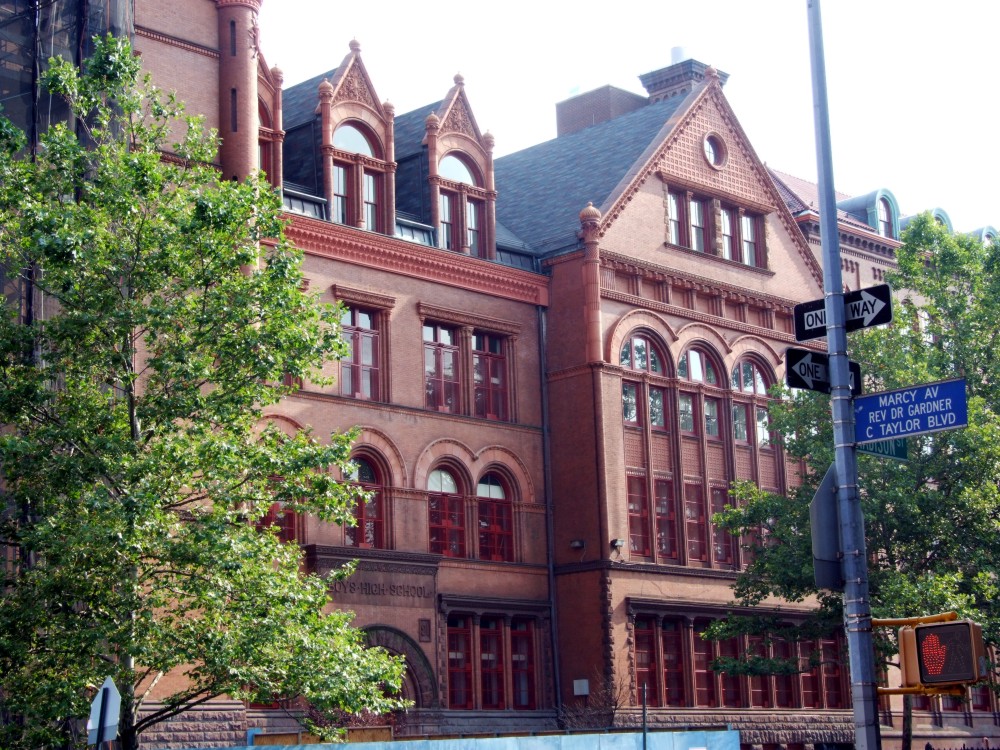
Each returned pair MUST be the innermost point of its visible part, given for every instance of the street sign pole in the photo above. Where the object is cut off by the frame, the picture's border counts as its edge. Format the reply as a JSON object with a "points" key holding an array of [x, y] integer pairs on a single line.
{"points": [[857, 610]]}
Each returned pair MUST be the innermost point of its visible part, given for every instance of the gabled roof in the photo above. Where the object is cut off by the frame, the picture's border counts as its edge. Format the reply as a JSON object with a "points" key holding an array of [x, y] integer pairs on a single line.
{"points": [[542, 189], [802, 195]]}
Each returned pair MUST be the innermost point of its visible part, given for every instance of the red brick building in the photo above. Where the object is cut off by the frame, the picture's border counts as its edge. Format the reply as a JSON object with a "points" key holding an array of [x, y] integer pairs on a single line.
{"points": [[559, 363]]}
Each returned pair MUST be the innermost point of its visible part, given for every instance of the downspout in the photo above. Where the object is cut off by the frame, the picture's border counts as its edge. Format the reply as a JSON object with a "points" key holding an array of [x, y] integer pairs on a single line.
{"points": [[549, 516]]}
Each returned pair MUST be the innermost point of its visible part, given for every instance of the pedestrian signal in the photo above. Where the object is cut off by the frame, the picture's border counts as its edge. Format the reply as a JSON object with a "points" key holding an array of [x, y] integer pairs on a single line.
{"points": [[942, 653]]}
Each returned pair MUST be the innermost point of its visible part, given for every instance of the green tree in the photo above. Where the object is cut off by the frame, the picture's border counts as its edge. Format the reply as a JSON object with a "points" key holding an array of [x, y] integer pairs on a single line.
{"points": [[136, 462], [931, 522]]}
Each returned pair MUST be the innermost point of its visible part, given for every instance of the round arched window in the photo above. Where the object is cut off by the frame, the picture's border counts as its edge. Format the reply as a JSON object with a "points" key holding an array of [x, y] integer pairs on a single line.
{"points": [[349, 138], [639, 353], [454, 169], [697, 367], [747, 377]]}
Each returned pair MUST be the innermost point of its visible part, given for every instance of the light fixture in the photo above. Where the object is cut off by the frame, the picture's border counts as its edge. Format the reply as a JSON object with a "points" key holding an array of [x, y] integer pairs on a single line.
{"points": [[577, 544], [617, 543]]}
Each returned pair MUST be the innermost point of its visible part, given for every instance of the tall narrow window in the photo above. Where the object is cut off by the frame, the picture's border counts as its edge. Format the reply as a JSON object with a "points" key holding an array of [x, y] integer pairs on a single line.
{"points": [[496, 533], [685, 408], [441, 373], [704, 677], [728, 224], [784, 696], [283, 520], [645, 661], [371, 207], [368, 513], [740, 434], [630, 406], [522, 663], [696, 213], [460, 661], [491, 662], [674, 218], [749, 231], [763, 428], [760, 685], [673, 663], [489, 367], [732, 685], [473, 211], [694, 518], [833, 685], [657, 409], [638, 516], [809, 681], [884, 218], [359, 369], [666, 520], [722, 540], [446, 515], [712, 417], [340, 202], [447, 222]]}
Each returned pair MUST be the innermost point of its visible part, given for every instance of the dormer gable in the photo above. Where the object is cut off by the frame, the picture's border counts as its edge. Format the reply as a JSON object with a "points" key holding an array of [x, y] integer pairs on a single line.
{"points": [[446, 165], [357, 148], [878, 209]]}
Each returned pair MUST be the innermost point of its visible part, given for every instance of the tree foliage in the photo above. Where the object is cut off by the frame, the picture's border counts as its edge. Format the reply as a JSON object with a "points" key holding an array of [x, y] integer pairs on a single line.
{"points": [[168, 309], [931, 522]]}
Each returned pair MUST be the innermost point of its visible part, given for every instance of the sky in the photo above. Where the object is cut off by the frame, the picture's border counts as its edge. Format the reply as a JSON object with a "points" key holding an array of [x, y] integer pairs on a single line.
{"points": [[912, 85]]}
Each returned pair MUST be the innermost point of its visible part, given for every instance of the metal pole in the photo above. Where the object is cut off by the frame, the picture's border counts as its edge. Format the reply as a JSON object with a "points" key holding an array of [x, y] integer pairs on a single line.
{"points": [[644, 687], [857, 607], [103, 717]]}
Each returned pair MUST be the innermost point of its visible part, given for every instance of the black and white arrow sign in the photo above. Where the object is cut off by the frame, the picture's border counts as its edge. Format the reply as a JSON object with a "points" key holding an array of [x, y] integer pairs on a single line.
{"points": [[811, 370], [862, 309]]}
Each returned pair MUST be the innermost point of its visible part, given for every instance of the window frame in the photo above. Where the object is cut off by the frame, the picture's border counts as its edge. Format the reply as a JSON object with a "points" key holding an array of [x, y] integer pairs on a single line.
{"points": [[491, 400], [496, 538], [447, 517], [358, 181], [363, 518]]}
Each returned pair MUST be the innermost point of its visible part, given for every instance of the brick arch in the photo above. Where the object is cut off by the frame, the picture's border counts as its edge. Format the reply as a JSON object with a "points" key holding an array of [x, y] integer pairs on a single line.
{"points": [[699, 333], [629, 322], [746, 346], [381, 444], [287, 425], [446, 451], [506, 462], [419, 672]]}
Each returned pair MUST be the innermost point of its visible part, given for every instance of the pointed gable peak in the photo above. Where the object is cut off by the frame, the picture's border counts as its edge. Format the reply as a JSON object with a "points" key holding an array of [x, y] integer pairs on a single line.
{"points": [[455, 113], [350, 81]]}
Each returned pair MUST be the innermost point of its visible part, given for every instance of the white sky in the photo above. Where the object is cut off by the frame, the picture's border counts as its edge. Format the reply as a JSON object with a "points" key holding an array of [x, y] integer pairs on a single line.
{"points": [[912, 84]]}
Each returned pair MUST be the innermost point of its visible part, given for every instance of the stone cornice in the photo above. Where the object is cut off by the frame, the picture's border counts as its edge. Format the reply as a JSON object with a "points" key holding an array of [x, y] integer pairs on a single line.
{"points": [[370, 250], [173, 41], [654, 271], [463, 318], [362, 297]]}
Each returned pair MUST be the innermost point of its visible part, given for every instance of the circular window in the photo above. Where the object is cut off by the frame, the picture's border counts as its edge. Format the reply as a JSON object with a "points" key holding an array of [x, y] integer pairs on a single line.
{"points": [[715, 151]]}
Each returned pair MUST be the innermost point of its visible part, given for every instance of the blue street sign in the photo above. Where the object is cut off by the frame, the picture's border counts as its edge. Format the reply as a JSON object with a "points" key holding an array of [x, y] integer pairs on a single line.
{"points": [[920, 409]]}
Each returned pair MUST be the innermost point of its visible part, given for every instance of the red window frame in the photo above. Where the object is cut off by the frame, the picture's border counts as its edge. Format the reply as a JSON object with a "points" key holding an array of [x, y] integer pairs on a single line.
{"points": [[522, 663], [784, 694], [638, 515], [673, 663], [695, 523], [460, 662], [496, 528], [447, 524], [834, 694], [645, 661], [491, 663], [359, 370], [447, 204], [442, 370], [722, 540], [371, 184], [284, 519], [732, 684], [760, 685], [666, 520], [489, 369], [340, 211], [368, 515], [704, 677]]}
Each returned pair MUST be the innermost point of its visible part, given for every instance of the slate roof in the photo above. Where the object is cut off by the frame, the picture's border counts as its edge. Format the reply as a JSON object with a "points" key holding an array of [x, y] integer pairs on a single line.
{"points": [[802, 195], [542, 189], [409, 130], [298, 102]]}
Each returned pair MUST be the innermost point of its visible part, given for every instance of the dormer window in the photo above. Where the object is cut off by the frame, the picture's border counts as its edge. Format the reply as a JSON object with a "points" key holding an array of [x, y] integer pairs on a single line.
{"points": [[358, 179], [461, 207], [884, 218]]}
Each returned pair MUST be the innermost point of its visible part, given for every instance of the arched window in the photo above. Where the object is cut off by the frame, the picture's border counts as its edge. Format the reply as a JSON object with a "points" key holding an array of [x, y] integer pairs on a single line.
{"points": [[358, 180], [750, 419], [884, 217], [446, 509], [368, 514], [496, 532], [461, 212], [639, 353]]}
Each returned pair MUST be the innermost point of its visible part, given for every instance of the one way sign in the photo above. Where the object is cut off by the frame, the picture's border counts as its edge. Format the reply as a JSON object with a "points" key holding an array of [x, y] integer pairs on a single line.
{"points": [[811, 370], [862, 309]]}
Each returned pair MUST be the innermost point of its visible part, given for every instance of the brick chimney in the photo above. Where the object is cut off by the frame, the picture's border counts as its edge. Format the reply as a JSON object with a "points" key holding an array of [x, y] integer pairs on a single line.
{"points": [[677, 80]]}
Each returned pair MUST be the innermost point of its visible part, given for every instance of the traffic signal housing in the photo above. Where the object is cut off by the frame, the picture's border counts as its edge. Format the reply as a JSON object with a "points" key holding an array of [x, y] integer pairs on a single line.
{"points": [[941, 654]]}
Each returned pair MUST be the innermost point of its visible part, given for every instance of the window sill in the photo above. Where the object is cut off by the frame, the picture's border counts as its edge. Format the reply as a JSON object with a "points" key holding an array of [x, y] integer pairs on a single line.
{"points": [[717, 259]]}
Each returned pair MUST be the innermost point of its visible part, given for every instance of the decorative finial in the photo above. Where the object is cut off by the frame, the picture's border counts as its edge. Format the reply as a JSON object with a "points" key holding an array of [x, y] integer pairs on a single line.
{"points": [[459, 80], [432, 122], [489, 140], [590, 214], [711, 72], [355, 46], [325, 87]]}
